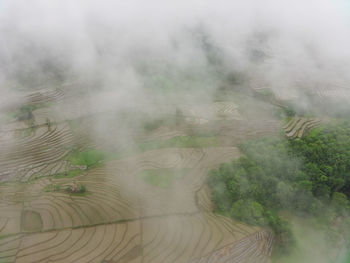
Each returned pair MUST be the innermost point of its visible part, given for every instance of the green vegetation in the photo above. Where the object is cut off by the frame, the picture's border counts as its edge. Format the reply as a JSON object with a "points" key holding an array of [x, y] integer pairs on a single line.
{"points": [[253, 188], [82, 188], [79, 189], [286, 111], [325, 153], [90, 157], [304, 177], [72, 189], [162, 177]]}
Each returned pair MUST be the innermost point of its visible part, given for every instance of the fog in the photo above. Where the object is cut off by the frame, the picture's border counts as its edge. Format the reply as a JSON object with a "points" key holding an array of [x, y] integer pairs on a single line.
{"points": [[299, 41], [156, 55]]}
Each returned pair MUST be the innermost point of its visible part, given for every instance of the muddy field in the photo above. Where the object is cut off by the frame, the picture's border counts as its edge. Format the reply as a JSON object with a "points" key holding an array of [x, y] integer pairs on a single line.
{"points": [[122, 216]]}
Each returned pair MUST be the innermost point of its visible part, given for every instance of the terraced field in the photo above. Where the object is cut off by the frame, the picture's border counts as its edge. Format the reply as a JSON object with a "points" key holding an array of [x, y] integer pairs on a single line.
{"points": [[42, 151], [121, 217], [297, 127]]}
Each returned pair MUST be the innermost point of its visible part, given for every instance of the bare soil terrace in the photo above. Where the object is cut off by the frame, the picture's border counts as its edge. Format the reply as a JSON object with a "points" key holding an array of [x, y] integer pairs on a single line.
{"points": [[121, 217]]}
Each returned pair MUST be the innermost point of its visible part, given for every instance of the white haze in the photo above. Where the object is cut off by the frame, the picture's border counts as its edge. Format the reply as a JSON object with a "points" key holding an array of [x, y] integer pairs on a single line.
{"points": [[304, 43], [307, 41]]}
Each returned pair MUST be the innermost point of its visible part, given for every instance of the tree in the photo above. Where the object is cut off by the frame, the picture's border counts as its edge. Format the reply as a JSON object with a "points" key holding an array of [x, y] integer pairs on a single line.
{"points": [[248, 211], [340, 202], [82, 188]]}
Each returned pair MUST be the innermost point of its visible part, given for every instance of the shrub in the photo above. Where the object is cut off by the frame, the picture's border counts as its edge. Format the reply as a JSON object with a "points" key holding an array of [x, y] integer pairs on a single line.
{"points": [[89, 157]]}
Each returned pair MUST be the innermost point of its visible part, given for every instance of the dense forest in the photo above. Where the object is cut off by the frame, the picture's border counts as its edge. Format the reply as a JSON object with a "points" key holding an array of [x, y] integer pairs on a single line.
{"points": [[305, 177]]}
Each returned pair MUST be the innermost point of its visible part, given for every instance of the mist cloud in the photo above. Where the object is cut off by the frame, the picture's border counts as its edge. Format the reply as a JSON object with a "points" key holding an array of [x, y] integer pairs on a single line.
{"points": [[116, 54], [299, 40]]}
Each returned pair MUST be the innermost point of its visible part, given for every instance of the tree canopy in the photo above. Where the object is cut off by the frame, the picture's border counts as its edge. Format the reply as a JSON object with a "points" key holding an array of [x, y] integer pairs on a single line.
{"points": [[303, 176]]}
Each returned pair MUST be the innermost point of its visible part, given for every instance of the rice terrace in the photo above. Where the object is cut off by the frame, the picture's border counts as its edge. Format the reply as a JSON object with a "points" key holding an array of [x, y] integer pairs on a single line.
{"points": [[149, 204], [174, 131]]}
